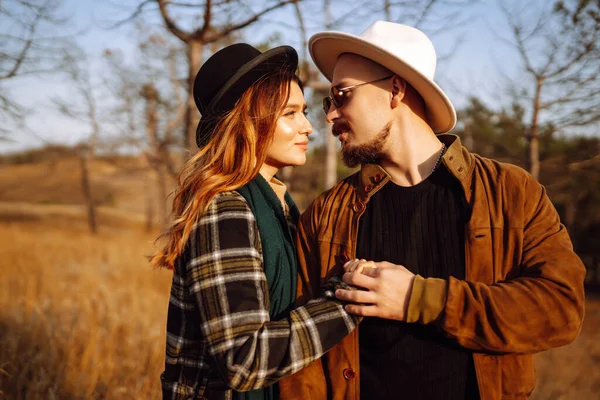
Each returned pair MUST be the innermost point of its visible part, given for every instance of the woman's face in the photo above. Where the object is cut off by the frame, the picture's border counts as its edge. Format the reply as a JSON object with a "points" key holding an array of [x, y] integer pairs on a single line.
{"points": [[290, 140]]}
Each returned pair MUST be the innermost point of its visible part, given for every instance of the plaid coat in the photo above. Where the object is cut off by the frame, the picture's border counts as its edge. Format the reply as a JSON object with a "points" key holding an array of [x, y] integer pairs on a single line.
{"points": [[219, 334]]}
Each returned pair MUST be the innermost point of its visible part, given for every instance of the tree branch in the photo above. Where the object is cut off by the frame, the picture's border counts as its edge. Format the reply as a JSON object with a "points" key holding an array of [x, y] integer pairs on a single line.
{"points": [[28, 42], [138, 11], [207, 20], [232, 28], [170, 24]]}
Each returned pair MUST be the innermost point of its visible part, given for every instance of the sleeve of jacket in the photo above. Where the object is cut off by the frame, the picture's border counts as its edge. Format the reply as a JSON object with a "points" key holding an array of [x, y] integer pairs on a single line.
{"points": [[540, 309], [226, 276]]}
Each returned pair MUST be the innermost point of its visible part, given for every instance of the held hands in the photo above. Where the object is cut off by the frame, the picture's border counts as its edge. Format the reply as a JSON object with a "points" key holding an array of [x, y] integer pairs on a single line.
{"points": [[358, 266], [387, 285]]}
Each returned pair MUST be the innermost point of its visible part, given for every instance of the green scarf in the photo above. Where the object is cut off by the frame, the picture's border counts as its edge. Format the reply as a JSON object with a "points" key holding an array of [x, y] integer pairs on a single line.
{"points": [[279, 258]]}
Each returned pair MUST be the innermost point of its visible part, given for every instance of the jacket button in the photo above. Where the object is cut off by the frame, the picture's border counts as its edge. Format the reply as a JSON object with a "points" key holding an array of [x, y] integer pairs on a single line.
{"points": [[349, 373], [451, 158], [378, 178], [359, 206], [460, 169], [368, 188]]}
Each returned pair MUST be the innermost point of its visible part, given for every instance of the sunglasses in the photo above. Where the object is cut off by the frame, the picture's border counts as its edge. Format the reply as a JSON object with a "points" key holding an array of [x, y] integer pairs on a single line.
{"points": [[337, 96]]}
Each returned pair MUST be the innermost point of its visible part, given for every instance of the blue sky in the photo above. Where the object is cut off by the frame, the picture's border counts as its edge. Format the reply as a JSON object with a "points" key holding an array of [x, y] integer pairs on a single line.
{"points": [[476, 67]]}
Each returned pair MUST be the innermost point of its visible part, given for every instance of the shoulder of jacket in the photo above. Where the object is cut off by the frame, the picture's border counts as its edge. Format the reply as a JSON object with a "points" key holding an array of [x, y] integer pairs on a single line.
{"points": [[230, 201], [509, 176], [341, 188], [502, 170]]}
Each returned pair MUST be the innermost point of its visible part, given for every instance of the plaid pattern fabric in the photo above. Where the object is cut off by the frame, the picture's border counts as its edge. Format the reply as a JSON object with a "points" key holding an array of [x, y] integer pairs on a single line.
{"points": [[219, 334]]}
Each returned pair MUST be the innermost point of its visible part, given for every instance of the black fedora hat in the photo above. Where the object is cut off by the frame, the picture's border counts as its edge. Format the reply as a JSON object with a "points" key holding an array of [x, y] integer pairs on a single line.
{"points": [[227, 74]]}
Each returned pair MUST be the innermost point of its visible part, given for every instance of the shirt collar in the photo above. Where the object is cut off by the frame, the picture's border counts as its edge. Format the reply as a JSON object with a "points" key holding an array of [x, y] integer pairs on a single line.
{"points": [[456, 158]]}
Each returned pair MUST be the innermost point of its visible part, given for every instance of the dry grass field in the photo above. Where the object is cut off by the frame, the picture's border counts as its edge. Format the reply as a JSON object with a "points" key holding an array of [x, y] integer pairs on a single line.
{"points": [[572, 372], [83, 316]]}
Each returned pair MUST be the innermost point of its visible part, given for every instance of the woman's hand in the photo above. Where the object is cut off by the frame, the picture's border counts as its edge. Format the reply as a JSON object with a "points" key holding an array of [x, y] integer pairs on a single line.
{"points": [[357, 266]]}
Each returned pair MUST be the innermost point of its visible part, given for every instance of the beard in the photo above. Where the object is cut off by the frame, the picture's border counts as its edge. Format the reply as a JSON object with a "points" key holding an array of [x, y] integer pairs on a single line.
{"points": [[367, 153]]}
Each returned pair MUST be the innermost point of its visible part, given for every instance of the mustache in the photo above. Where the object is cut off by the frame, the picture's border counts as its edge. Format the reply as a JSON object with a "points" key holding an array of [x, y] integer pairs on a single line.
{"points": [[340, 127]]}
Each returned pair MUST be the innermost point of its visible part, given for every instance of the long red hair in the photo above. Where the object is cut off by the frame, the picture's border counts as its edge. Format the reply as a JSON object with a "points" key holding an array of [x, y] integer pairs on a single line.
{"points": [[231, 159]]}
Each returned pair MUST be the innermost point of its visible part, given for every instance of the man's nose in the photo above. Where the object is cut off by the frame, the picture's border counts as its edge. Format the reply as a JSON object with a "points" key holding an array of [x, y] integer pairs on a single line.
{"points": [[333, 113]]}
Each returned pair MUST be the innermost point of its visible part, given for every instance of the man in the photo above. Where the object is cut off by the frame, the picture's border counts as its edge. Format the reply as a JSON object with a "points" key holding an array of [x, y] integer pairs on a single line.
{"points": [[474, 271]]}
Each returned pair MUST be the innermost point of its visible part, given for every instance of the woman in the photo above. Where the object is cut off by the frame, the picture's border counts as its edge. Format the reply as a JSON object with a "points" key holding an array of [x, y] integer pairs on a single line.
{"points": [[231, 329]]}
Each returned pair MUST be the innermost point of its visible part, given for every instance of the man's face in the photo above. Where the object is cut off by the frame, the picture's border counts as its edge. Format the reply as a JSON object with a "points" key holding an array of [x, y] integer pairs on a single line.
{"points": [[363, 122]]}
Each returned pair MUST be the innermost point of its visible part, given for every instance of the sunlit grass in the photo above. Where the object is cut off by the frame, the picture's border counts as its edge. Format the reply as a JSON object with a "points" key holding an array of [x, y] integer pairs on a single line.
{"points": [[81, 316]]}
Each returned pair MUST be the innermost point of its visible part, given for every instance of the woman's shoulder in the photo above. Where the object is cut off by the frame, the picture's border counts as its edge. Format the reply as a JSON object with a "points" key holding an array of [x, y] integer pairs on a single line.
{"points": [[230, 201], [227, 210]]}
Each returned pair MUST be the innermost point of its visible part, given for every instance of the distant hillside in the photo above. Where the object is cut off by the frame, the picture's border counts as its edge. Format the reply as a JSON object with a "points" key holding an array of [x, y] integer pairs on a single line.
{"points": [[53, 176]]}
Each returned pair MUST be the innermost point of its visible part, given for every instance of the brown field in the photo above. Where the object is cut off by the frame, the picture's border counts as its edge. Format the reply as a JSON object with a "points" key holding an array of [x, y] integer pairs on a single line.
{"points": [[83, 316]]}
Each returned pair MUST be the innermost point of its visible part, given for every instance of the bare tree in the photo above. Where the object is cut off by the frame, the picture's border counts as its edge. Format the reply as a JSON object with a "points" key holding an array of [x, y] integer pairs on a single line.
{"points": [[28, 46], [214, 21], [157, 152], [83, 109], [434, 16], [151, 87], [124, 83], [560, 55], [164, 106], [331, 158]]}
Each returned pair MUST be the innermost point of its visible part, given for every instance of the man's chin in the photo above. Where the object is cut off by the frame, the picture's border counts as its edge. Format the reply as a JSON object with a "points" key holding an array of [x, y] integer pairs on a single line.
{"points": [[350, 159]]}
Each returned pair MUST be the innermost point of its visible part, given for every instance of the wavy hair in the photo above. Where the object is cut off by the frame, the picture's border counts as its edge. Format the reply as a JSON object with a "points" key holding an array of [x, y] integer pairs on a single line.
{"points": [[232, 158]]}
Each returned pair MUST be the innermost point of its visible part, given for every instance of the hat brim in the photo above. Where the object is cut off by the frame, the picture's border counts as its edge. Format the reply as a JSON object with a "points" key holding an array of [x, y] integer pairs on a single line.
{"points": [[276, 59], [326, 47]]}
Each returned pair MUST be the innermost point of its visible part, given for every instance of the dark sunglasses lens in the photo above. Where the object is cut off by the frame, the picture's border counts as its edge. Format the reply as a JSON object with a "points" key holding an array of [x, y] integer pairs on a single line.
{"points": [[326, 104], [338, 98]]}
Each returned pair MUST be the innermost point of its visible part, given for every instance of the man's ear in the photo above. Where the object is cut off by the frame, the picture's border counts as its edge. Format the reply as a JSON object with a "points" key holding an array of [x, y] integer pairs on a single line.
{"points": [[398, 91]]}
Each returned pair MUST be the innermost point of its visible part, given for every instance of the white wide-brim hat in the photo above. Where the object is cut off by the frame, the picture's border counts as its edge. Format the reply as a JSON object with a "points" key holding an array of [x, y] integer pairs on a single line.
{"points": [[404, 50]]}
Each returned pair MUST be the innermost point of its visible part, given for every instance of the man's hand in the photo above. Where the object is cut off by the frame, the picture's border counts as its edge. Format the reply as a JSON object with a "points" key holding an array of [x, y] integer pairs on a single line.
{"points": [[388, 288]]}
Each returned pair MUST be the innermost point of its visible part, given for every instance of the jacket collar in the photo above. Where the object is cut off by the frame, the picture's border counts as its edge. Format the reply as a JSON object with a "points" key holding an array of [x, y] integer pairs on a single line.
{"points": [[457, 159]]}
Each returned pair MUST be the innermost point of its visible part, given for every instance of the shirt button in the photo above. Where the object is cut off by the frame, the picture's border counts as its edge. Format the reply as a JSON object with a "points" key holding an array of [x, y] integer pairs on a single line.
{"points": [[349, 373], [460, 169], [451, 158], [368, 188], [359, 206], [378, 178]]}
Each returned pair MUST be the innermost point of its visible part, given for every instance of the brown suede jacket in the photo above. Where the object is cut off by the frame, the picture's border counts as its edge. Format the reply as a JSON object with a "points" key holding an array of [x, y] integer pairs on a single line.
{"points": [[523, 291]]}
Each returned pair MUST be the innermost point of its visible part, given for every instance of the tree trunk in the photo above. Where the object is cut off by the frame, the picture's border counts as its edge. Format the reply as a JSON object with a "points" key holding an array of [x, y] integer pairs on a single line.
{"points": [[87, 191], [194, 48], [330, 161], [533, 150], [161, 180], [387, 10], [330, 140], [149, 205], [469, 142], [571, 218]]}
